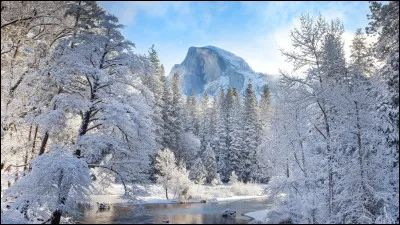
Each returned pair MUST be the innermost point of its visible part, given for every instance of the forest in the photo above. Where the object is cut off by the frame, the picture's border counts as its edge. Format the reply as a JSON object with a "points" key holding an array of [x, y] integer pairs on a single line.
{"points": [[81, 111]]}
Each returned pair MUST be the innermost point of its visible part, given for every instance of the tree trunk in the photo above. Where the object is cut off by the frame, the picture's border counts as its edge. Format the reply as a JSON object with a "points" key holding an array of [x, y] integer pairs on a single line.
{"points": [[166, 193], [26, 150], [360, 150], [56, 216], [85, 123], [44, 142], [287, 167]]}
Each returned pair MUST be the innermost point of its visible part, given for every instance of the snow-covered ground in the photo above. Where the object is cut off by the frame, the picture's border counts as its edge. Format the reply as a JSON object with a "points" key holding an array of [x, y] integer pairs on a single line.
{"points": [[270, 215], [155, 194], [258, 216]]}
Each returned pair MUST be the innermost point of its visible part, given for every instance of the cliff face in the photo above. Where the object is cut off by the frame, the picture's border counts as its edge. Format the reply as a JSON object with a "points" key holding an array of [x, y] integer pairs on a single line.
{"points": [[210, 68]]}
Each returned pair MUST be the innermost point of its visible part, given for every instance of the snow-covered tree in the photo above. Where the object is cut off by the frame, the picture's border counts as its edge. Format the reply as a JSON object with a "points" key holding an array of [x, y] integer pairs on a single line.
{"points": [[98, 86], [325, 131], [198, 172], [167, 126], [154, 83], [223, 144], [384, 22], [251, 134], [209, 161], [176, 117], [214, 121], [205, 134], [236, 153], [191, 148], [361, 56], [57, 180], [193, 123], [181, 183], [165, 162], [265, 106], [172, 176], [233, 178]]}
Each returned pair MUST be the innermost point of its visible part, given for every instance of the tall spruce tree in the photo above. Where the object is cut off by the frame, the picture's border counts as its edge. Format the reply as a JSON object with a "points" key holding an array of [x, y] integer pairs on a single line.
{"points": [[384, 22], [176, 117], [209, 161], [205, 123], [235, 151], [251, 133], [154, 83], [265, 106], [166, 115]]}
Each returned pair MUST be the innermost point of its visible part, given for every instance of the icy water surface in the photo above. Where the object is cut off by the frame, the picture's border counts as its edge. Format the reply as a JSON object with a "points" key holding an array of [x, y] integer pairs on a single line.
{"points": [[193, 213]]}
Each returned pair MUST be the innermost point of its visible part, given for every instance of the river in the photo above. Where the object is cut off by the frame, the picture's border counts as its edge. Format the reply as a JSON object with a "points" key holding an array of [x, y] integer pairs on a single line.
{"points": [[190, 213]]}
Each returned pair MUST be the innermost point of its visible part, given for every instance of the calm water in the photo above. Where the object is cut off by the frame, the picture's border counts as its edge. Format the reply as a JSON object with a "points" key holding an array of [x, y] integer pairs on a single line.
{"points": [[194, 213]]}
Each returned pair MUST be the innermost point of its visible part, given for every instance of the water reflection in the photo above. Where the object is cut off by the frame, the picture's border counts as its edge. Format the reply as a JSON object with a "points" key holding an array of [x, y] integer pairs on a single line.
{"points": [[196, 213]]}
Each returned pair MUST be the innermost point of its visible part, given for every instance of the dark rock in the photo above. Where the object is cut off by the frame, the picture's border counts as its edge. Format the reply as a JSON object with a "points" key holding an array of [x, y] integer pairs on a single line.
{"points": [[229, 213]]}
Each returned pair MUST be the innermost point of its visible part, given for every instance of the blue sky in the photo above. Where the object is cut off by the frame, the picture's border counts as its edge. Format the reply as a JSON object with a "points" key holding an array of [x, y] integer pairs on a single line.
{"points": [[254, 31]]}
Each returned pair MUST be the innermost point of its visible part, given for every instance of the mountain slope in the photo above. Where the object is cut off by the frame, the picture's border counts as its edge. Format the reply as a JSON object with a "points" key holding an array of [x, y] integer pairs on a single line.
{"points": [[211, 68]]}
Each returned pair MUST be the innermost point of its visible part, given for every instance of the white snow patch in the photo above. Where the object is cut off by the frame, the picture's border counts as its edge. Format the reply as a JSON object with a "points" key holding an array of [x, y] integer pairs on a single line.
{"points": [[260, 215], [237, 198], [156, 194]]}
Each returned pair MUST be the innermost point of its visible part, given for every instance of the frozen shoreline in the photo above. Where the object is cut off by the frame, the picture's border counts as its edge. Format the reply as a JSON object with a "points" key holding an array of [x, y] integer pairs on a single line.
{"points": [[113, 195], [258, 216]]}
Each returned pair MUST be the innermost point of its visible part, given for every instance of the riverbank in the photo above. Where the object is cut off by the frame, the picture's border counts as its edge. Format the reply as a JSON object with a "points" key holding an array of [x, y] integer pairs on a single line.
{"points": [[155, 194], [259, 216]]}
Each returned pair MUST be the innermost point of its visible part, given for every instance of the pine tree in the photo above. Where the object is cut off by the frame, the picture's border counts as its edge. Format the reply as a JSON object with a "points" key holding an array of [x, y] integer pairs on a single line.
{"points": [[252, 129], [166, 115], [194, 123], [223, 130], [235, 151], [205, 124], [361, 55], [233, 178], [210, 163], [154, 83], [198, 172], [214, 121], [176, 117], [265, 106], [384, 21]]}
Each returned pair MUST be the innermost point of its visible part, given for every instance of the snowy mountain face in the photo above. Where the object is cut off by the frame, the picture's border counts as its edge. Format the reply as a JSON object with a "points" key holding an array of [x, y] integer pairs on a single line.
{"points": [[210, 68]]}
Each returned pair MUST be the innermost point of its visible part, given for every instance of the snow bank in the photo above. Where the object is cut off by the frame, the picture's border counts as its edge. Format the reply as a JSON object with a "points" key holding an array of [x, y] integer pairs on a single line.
{"points": [[237, 198], [258, 216], [156, 194]]}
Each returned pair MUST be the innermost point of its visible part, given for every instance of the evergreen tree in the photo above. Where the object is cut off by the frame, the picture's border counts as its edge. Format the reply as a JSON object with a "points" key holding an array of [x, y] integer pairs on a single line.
{"points": [[251, 132], [361, 55], [224, 139], [205, 124], [210, 163], [166, 115], [194, 123], [384, 21], [233, 178], [176, 117], [214, 121], [154, 83], [198, 172], [265, 106], [186, 115], [235, 151]]}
